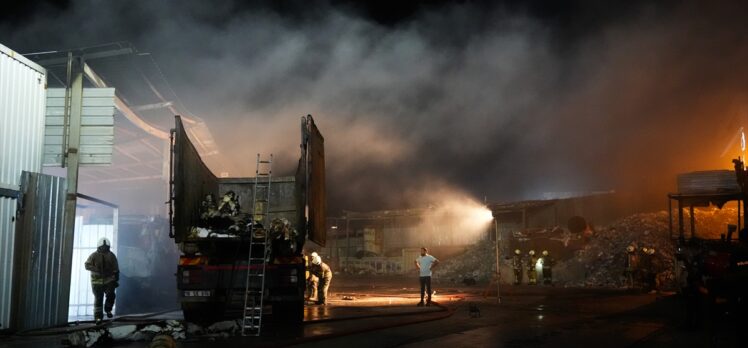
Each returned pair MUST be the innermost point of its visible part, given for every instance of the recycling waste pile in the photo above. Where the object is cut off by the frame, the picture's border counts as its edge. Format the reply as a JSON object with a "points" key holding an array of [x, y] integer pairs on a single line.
{"points": [[174, 329], [601, 261]]}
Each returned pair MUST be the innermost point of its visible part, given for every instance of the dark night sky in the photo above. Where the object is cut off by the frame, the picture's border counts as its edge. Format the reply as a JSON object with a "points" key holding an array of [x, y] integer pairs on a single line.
{"points": [[504, 99]]}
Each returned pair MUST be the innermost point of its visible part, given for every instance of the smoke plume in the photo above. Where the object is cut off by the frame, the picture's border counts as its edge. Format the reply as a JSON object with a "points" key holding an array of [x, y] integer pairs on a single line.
{"points": [[499, 102]]}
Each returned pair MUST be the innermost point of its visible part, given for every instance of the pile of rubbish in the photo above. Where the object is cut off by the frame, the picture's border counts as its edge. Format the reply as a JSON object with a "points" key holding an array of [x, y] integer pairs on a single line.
{"points": [[175, 329], [476, 265], [602, 261]]}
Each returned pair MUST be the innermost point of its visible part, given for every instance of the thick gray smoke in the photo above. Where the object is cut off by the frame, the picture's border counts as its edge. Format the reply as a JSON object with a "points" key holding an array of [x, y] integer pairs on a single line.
{"points": [[496, 103]]}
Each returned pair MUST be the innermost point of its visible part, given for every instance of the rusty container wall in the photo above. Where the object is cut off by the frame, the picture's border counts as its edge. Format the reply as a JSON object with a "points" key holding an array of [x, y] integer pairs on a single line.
{"points": [[317, 198], [192, 181], [22, 106]]}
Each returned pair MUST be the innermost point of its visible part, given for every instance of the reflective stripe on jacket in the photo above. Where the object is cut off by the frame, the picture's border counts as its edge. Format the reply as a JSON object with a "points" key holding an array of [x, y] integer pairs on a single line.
{"points": [[103, 266]]}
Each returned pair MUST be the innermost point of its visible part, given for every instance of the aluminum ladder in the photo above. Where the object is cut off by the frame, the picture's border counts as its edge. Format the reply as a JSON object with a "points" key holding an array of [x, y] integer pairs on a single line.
{"points": [[258, 249]]}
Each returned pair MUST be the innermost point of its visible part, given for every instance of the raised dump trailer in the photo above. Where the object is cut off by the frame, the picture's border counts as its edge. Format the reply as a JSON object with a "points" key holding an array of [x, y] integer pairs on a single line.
{"points": [[212, 275]]}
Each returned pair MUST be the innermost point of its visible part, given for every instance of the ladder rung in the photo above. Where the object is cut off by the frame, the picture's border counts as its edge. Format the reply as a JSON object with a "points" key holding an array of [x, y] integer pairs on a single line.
{"points": [[263, 174], [265, 161], [256, 275], [256, 258], [253, 308]]}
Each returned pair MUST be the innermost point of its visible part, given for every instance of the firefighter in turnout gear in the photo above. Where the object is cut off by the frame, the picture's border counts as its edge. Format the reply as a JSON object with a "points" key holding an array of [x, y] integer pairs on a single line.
{"points": [[646, 273], [323, 274], [517, 266], [632, 263], [548, 263], [104, 277], [532, 274]]}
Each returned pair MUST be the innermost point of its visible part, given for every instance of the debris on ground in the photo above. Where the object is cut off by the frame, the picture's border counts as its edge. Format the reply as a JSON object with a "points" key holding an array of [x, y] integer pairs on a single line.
{"points": [[477, 264], [601, 261], [144, 332]]}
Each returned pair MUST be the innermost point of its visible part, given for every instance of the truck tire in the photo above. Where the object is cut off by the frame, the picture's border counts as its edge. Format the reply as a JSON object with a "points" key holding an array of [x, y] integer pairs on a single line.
{"points": [[201, 313]]}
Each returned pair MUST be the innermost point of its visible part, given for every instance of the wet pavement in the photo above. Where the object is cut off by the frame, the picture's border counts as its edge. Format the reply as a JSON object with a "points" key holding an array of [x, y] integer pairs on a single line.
{"points": [[384, 315]]}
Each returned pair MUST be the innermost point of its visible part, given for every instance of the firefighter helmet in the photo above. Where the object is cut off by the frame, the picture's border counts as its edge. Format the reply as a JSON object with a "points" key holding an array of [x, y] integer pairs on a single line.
{"points": [[650, 251], [630, 248], [516, 251], [545, 252], [532, 252], [104, 241], [316, 259]]}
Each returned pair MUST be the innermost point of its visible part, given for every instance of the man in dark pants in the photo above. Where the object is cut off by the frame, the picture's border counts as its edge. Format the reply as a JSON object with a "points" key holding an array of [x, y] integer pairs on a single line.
{"points": [[425, 263], [104, 277]]}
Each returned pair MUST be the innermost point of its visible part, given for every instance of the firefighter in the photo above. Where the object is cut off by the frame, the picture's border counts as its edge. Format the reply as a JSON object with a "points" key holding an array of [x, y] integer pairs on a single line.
{"points": [[324, 276], [532, 274], [104, 278], [312, 279], [548, 263], [632, 263], [517, 266], [646, 274]]}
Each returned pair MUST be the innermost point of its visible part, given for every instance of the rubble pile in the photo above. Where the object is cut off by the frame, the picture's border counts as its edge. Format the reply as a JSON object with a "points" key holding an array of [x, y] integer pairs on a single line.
{"points": [[131, 332], [602, 262], [177, 330], [476, 264]]}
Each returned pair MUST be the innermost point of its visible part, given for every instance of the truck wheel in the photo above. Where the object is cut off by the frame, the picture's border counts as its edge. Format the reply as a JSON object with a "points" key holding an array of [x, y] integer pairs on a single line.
{"points": [[200, 313]]}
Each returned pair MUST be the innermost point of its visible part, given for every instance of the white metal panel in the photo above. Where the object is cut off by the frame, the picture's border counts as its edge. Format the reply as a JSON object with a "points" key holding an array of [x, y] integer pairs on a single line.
{"points": [[97, 126], [7, 226], [22, 103]]}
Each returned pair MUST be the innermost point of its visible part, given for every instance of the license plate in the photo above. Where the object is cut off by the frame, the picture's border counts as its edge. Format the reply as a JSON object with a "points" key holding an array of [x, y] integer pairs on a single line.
{"points": [[197, 293]]}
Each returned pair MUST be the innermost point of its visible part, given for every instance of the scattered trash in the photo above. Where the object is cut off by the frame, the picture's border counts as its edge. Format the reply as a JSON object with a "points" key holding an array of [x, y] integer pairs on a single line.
{"points": [[601, 261], [129, 332]]}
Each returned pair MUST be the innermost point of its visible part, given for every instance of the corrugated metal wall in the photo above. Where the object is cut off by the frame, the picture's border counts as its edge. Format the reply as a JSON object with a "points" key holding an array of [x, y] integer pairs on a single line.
{"points": [[38, 262], [22, 104]]}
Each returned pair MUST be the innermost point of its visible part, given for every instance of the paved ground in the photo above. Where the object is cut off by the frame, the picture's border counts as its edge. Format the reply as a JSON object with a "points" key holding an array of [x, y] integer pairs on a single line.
{"points": [[382, 313]]}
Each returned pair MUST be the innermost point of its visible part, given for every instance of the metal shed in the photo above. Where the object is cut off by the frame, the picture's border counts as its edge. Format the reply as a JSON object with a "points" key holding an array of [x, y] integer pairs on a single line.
{"points": [[22, 104]]}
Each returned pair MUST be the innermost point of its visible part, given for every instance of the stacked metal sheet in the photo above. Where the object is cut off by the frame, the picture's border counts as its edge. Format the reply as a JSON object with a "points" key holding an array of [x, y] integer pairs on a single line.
{"points": [[708, 181]]}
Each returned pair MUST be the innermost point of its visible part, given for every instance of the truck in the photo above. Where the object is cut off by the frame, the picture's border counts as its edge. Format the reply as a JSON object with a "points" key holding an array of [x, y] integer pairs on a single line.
{"points": [[214, 261], [709, 270]]}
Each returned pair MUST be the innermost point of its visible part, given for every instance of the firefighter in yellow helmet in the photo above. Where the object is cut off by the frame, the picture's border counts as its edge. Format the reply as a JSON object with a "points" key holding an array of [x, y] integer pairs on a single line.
{"points": [[632, 264], [104, 269], [548, 263], [532, 274], [517, 266]]}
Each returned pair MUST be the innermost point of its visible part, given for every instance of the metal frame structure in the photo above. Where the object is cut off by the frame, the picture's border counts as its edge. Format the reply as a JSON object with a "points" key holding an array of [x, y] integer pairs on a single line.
{"points": [[691, 201]]}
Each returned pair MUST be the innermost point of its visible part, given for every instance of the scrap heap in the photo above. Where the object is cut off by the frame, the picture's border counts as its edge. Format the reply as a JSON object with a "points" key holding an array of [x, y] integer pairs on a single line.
{"points": [[601, 262], [476, 264]]}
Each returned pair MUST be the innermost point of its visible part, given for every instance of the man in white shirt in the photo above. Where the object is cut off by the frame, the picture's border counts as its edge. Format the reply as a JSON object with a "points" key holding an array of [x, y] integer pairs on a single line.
{"points": [[425, 263]]}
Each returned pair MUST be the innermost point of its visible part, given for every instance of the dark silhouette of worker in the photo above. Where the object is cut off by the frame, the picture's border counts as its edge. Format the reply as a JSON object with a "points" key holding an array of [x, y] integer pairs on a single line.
{"points": [[104, 278]]}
